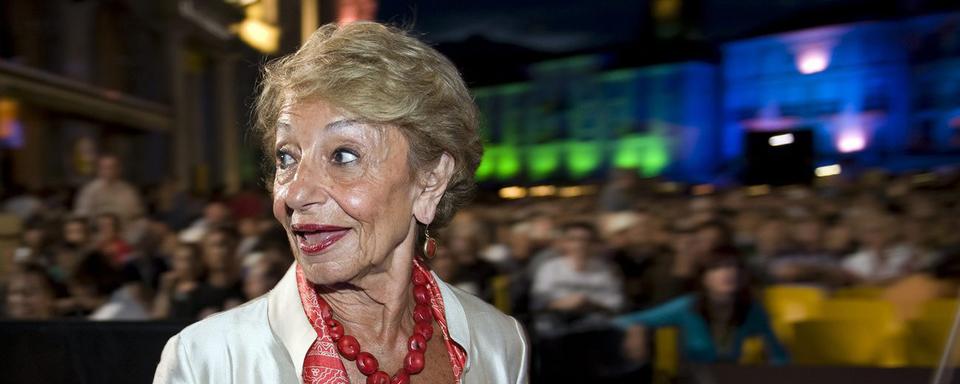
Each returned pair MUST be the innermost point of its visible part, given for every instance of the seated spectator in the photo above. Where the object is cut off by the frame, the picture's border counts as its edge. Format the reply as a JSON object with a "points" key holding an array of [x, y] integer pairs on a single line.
{"points": [[216, 214], [577, 287], [881, 257], [808, 260], [261, 277], [30, 294], [108, 239], [473, 274], [713, 322], [177, 297], [223, 288], [109, 194]]}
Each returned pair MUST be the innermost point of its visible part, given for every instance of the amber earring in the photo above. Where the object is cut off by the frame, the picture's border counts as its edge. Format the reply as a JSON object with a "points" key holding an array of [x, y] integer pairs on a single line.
{"points": [[429, 244]]}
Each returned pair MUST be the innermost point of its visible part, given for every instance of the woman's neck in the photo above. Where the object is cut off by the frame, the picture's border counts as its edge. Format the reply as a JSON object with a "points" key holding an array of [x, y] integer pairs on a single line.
{"points": [[377, 308]]}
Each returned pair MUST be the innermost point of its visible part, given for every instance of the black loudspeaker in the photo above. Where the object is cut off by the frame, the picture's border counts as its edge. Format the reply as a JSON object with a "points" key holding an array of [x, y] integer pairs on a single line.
{"points": [[779, 157]]}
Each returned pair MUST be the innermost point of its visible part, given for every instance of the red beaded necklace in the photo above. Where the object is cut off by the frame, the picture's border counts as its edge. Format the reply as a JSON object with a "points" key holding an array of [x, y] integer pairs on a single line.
{"points": [[413, 363]]}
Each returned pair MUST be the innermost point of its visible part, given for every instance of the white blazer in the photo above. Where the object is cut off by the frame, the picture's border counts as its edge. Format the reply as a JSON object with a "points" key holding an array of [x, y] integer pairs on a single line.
{"points": [[266, 339]]}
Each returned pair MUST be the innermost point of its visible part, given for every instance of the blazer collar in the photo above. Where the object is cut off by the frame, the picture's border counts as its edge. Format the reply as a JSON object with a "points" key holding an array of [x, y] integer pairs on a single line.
{"points": [[292, 328]]}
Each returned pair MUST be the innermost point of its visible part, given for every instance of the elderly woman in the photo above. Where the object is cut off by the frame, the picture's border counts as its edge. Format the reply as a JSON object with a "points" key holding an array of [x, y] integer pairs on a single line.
{"points": [[375, 139]]}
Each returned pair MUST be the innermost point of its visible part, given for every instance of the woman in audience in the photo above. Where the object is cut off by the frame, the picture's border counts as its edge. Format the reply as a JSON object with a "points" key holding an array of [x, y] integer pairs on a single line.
{"points": [[714, 322], [177, 296]]}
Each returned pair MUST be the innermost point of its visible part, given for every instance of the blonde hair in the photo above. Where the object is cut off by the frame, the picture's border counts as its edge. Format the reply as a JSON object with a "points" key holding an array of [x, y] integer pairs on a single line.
{"points": [[382, 75]]}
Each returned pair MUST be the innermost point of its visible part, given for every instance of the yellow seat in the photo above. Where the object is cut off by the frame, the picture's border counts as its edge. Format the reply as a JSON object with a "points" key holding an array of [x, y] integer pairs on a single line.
{"points": [[666, 353], [840, 342], [926, 341], [940, 308], [501, 293], [859, 292], [788, 304], [855, 309]]}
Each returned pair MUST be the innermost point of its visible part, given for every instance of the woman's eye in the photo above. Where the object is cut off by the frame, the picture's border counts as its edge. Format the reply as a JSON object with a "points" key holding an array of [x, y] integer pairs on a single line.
{"points": [[344, 156], [284, 159]]}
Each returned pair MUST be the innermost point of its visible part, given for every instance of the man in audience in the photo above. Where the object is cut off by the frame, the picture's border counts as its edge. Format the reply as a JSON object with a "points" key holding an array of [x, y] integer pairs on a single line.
{"points": [[108, 193], [578, 286]]}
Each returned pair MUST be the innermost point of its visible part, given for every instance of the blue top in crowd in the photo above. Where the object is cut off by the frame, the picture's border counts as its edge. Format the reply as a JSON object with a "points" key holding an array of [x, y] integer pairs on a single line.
{"points": [[696, 343]]}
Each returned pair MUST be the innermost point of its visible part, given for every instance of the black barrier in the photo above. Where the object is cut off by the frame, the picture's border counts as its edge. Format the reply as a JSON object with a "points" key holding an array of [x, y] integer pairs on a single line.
{"points": [[82, 351]]}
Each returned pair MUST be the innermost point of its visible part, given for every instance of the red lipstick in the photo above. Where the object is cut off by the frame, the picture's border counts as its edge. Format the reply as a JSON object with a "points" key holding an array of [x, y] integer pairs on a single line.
{"points": [[315, 238]]}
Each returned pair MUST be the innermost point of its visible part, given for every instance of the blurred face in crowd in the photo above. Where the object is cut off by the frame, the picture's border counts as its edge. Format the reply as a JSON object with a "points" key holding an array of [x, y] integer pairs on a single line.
{"points": [[107, 227], [258, 280], [75, 232], [808, 234], [771, 237], [721, 281], [344, 192], [216, 212], [444, 264], [877, 231], [108, 168], [520, 244], [576, 242], [710, 237], [185, 262], [838, 239], [34, 237], [218, 248], [248, 227], [29, 296], [463, 248]]}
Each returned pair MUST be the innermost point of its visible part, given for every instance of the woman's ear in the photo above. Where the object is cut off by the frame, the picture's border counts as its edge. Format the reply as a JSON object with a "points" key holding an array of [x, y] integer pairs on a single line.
{"points": [[434, 184]]}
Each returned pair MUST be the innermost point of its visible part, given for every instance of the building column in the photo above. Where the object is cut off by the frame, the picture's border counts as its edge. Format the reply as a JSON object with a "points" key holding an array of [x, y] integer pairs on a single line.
{"points": [[229, 129]]}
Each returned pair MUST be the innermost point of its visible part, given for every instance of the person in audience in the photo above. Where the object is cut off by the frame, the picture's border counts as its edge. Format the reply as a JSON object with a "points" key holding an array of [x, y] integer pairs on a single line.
{"points": [[223, 288], [108, 193], [808, 261], [576, 287], [215, 214], [261, 277], [109, 241], [882, 257], [714, 322], [177, 296], [30, 294], [474, 274]]}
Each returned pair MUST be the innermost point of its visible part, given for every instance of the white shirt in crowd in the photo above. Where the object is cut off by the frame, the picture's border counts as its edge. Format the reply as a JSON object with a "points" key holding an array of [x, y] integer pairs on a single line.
{"points": [[598, 281]]}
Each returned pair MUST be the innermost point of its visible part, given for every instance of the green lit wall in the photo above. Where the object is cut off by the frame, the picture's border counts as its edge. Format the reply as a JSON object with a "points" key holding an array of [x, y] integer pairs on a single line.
{"points": [[575, 122]]}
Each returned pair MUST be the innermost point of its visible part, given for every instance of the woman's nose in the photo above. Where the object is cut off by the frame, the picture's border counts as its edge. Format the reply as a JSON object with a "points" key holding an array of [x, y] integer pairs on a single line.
{"points": [[307, 189]]}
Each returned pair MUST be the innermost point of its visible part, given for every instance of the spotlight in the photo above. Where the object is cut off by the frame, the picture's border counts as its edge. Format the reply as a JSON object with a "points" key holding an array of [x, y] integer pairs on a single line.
{"points": [[828, 170], [513, 192], [778, 140]]}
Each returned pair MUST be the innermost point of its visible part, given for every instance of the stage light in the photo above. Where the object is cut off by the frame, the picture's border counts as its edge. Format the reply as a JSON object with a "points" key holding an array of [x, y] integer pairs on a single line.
{"points": [[828, 170], [543, 190], [812, 60], [778, 140], [851, 141], [576, 190], [513, 192]]}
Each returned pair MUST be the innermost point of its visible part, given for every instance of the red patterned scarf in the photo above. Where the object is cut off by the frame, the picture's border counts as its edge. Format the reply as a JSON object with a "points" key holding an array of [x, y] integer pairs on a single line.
{"points": [[322, 364]]}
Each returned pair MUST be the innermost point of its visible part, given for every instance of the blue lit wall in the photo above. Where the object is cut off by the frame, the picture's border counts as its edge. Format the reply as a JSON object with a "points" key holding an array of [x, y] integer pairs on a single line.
{"points": [[878, 93], [849, 84]]}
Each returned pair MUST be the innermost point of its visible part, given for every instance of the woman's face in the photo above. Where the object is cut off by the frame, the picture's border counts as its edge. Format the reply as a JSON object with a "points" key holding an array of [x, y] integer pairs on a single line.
{"points": [[722, 281], [184, 262], [343, 192]]}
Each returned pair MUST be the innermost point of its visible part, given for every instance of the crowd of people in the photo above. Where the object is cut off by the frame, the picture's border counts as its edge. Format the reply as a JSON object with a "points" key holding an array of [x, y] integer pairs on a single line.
{"points": [[114, 253], [639, 254]]}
